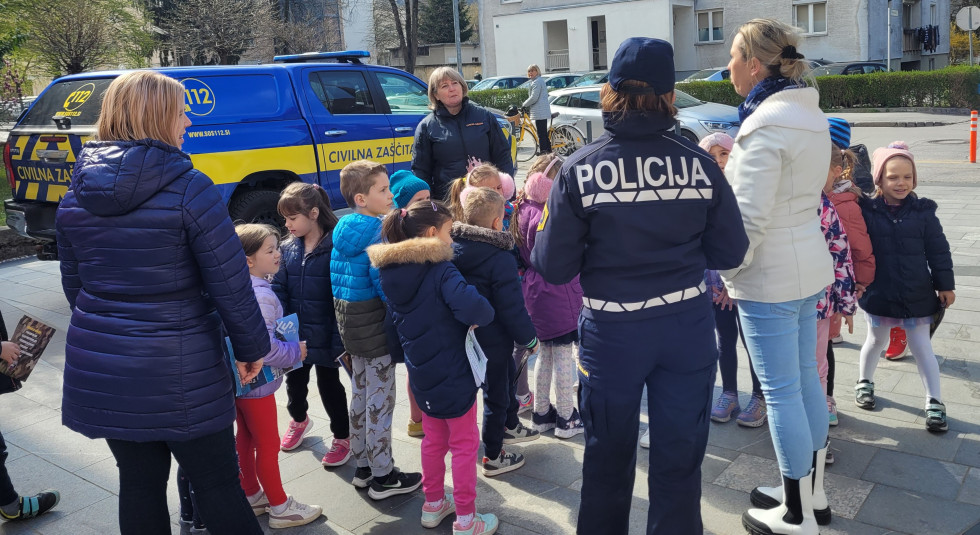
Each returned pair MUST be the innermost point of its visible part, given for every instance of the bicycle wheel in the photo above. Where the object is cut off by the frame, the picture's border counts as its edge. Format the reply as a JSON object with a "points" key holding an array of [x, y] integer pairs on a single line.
{"points": [[566, 139], [527, 142]]}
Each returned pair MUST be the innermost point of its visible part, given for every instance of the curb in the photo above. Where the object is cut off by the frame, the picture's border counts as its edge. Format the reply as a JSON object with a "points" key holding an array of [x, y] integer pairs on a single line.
{"points": [[898, 124]]}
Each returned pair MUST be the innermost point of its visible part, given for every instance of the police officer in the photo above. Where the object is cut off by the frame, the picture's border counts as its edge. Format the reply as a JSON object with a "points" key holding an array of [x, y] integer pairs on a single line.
{"points": [[640, 213]]}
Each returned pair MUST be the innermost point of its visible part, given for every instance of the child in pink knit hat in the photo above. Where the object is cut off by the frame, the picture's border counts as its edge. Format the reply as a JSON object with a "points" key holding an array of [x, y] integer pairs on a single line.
{"points": [[913, 280], [719, 146]]}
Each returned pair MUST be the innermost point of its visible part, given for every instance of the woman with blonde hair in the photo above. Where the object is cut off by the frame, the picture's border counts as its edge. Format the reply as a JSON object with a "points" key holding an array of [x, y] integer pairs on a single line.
{"points": [[538, 106], [152, 269], [778, 169], [457, 136]]}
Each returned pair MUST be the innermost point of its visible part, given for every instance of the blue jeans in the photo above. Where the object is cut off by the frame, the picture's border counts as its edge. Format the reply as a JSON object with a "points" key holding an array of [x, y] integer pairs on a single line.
{"points": [[782, 339]]}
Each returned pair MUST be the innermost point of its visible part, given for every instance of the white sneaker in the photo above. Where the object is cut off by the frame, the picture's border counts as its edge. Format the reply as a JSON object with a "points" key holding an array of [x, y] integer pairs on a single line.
{"points": [[645, 439], [296, 514]]}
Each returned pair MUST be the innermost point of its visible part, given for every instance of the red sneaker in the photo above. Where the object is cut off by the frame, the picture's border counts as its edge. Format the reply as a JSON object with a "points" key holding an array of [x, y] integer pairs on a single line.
{"points": [[899, 347], [339, 453]]}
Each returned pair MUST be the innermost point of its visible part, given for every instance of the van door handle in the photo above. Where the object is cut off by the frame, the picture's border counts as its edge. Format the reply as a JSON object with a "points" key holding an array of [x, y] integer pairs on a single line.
{"points": [[52, 156], [404, 129], [335, 133]]}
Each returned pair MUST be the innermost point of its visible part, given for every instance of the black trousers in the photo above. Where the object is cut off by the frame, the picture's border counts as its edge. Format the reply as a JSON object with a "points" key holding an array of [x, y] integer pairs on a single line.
{"points": [[332, 394], [543, 140], [211, 465], [499, 398], [7, 493]]}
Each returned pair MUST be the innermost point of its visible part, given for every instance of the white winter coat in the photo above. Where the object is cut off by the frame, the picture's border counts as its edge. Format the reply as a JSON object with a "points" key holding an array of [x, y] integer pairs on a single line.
{"points": [[537, 99], [778, 168]]}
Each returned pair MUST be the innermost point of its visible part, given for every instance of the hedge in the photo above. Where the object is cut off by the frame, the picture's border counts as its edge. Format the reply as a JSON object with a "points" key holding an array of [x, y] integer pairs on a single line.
{"points": [[500, 99], [951, 87]]}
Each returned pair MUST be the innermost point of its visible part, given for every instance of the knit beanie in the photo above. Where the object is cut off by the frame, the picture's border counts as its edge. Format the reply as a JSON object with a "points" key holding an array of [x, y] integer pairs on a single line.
{"points": [[883, 154], [840, 132], [718, 138], [404, 186]]}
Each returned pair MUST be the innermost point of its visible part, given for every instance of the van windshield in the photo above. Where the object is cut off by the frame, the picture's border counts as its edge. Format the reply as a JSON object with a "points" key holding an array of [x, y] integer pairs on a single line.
{"points": [[77, 100]]}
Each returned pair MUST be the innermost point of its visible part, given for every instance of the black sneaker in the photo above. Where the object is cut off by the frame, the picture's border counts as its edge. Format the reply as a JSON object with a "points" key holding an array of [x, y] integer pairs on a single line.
{"points": [[362, 477], [32, 506], [396, 483], [570, 427], [520, 434], [546, 421], [505, 462], [936, 416], [864, 395]]}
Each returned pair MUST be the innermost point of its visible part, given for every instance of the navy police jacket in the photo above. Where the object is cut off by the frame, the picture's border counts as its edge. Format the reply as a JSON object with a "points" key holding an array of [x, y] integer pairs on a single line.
{"points": [[303, 287], [151, 267], [912, 258], [640, 213]]}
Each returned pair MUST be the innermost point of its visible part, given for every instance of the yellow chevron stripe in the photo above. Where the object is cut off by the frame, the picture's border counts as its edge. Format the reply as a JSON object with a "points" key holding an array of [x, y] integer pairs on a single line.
{"points": [[55, 193]]}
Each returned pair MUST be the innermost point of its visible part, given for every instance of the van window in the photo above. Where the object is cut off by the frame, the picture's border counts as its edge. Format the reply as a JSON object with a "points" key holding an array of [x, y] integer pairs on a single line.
{"points": [[404, 95], [230, 98], [77, 100], [342, 92]]}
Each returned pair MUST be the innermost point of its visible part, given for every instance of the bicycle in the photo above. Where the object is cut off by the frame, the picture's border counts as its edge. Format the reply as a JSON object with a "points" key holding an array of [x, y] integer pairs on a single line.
{"points": [[565, 139]]}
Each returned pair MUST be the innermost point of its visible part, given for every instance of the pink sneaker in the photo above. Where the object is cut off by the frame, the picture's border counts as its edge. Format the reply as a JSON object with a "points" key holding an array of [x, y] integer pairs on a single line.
{"points": [[338, 454], [295, 434]]}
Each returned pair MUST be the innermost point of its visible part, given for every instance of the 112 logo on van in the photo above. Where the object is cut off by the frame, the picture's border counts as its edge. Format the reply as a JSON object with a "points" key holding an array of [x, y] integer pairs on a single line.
{"points": [[198, 97]]}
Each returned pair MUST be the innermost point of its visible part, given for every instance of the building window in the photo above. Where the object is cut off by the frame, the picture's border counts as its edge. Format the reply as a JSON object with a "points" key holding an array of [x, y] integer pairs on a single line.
{"points": [[423, 51], [811, 17], [711, 26]]}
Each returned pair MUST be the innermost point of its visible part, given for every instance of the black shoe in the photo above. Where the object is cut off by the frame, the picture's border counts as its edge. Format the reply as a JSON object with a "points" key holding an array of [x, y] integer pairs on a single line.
{"points": [[396, 483], [32, 506], [362, 477], [936, 416]]}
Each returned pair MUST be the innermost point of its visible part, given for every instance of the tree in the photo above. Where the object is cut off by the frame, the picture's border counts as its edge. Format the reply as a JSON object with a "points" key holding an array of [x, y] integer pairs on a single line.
{"points": [[959, 45], [69, 37], [207, 32], [436, 24], [406, 23]]}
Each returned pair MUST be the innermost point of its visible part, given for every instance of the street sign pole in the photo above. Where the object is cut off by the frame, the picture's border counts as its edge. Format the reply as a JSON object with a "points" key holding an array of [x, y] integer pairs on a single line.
{"points": [[459, 46], [888, 39], [968, 20], [970, 16]]}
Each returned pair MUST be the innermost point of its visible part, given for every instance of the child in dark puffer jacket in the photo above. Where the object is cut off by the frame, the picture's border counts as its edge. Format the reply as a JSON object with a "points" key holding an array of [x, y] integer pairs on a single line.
{"points": [[484, 257]]}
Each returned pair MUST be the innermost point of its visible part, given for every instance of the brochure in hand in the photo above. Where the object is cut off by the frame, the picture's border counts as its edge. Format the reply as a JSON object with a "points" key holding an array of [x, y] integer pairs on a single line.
{"points": [[32, 336], [287, 330], [478, 361]]}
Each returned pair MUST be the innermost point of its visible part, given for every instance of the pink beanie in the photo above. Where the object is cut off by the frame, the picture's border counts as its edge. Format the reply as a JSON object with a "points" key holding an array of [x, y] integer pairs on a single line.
{"points": [[883, 154], [507, 185], [718, 138]]}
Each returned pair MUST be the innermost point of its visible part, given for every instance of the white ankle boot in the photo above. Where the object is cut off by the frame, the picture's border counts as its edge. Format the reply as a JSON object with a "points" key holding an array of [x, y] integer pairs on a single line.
{"points": [[794, 516], [769, 497]]}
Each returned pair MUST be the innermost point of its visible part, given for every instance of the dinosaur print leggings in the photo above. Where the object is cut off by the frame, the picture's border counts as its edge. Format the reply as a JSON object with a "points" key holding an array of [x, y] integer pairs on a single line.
{"points": [[371, 407]]}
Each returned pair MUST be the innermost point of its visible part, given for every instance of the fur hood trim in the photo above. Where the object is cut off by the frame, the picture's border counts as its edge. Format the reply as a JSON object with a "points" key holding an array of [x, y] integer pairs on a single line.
{"points": [[538, 187], [497, 238], [413, 251]]}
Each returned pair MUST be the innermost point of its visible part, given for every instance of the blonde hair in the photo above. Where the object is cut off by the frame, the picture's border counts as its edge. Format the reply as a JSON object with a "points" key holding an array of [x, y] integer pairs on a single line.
{"points": [[618, 104], [439, 76], [253, 235], [482, 206], [845, 159], [140, 105], [480, 175], [534, 67], [765, 40], [358, 177]]}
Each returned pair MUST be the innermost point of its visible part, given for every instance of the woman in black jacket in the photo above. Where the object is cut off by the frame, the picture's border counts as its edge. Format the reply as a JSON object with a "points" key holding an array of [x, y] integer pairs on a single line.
{"points": [[455, 135]]}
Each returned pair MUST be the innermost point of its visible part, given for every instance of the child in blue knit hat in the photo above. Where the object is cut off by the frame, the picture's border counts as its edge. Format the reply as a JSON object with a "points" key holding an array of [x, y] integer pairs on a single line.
{"points": [[408, 188]]}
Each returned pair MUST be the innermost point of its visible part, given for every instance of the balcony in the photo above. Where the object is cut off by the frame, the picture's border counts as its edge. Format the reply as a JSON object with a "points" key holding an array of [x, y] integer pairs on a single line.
{"points": [[910, 42], [557, 60]]}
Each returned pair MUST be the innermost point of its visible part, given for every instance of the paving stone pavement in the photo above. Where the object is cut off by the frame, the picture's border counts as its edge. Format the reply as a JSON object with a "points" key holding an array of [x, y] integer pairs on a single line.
{"points": [[891, 476]]}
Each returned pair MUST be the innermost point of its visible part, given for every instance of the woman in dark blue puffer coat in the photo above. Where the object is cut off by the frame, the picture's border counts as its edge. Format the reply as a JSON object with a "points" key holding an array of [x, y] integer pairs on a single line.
{"points": [[152, 268]]}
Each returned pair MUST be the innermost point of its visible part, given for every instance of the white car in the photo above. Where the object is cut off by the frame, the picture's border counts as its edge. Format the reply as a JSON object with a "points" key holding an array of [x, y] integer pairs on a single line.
{"points": [[579, 106]]}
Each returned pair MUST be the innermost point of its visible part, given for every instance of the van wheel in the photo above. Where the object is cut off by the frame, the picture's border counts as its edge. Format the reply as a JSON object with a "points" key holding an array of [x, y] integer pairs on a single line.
{"points": [[256, 206]]}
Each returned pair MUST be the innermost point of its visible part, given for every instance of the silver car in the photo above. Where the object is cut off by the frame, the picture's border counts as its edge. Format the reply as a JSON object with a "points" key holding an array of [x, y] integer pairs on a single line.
{"points": [[579, 106]]}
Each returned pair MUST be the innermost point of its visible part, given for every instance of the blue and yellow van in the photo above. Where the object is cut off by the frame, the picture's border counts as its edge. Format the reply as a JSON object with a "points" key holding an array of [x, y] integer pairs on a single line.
{"points": [[255, 129]]}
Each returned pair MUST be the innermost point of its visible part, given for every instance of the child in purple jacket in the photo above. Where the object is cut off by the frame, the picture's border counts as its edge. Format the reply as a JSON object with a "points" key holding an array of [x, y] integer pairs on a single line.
{"points": [[257, 438], [554, 310]]}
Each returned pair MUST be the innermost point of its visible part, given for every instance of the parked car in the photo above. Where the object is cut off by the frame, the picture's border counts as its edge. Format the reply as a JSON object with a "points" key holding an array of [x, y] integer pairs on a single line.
{"points": [[256, 128], [815, 63], [499, 82], [555, 81], [715, 74], [471, 83], [579, 106], [590, 78], [852, 67]]}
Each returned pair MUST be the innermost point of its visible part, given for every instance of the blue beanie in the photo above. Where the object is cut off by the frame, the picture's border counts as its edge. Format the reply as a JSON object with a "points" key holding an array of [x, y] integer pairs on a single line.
{"points": [[840, 132], [404, 186]]}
